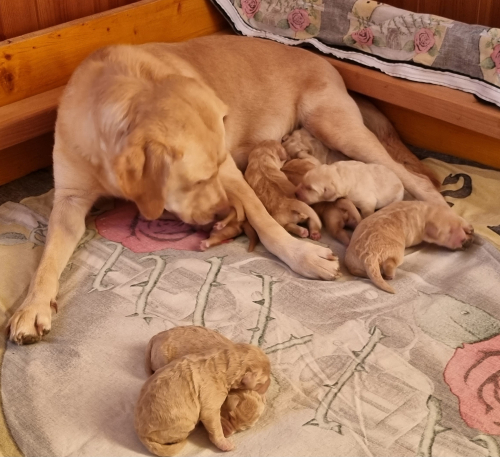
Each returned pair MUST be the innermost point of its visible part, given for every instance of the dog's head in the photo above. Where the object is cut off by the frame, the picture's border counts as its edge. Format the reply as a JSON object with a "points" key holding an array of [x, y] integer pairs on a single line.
{"points": [[165, 140], [317, 186], [255, 369], [241, 410], [271, 152], [447, 229]]}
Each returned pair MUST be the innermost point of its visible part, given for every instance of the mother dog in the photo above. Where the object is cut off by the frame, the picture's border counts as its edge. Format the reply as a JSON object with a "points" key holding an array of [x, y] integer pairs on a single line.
{"points": [[154, 124]]}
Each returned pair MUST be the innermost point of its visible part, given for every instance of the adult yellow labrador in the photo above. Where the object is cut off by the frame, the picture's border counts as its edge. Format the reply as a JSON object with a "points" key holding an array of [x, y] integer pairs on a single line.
{"points": [[170, 126]]}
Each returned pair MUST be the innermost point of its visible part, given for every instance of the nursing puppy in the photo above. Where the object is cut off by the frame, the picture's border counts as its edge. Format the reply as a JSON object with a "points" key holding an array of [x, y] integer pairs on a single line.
{"points": [[379, 242], [300, 144], [193, 388], [368, 186], [334, 215], [230, 227], [277, 193], [242, 408]]}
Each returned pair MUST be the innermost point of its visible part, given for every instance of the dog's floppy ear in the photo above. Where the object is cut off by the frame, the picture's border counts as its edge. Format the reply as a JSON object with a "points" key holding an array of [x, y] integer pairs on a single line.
{"points": [[142, 173], [232, 402], [431, 230], [249, 381]]}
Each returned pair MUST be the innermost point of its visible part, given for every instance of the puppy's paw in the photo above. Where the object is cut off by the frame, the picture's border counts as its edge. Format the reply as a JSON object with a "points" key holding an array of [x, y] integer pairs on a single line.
{"points": [[224, 445], [303, 232], [312, 261], [204, 245], [315, 235], [30, 323]]}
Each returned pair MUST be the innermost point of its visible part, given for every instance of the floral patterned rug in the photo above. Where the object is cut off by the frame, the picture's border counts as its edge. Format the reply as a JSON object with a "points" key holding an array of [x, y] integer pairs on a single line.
{"points": [[356, 371], [419, 47]]}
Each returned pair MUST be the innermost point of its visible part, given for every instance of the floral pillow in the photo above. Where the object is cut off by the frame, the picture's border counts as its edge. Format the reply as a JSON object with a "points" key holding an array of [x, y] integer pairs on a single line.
{"points": [[398, 42]]}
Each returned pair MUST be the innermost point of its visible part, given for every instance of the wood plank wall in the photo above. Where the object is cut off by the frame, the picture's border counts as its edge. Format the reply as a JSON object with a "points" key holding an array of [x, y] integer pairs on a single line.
{"points": [[18, 17], [484, 12]]}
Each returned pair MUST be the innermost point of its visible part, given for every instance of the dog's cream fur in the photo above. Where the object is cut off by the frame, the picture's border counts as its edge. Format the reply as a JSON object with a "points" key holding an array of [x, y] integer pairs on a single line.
{"points": [[379, 241], [368, 186], [277, 193], [242, 408], [168, 125], [193, 388]]}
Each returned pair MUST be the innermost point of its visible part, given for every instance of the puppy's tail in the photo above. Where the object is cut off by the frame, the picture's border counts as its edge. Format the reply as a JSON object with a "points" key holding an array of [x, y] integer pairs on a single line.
{"points": [[147, 365], [250, 232], [373, 271], [163, 449]]}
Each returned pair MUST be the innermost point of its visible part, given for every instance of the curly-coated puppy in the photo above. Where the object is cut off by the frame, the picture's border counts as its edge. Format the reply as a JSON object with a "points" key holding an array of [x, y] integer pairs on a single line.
{"points": [[241, 410], [379, 241], [300, 144], [368, 186], [277, 193], [334, 215], [192, 389]]}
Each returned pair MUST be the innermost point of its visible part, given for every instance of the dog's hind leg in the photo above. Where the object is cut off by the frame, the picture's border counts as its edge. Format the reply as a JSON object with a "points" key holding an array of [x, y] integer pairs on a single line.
{"points": [[333, 117]]}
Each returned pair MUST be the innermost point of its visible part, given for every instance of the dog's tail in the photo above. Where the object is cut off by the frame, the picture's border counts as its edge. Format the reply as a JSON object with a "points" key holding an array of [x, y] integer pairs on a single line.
{"points": [[250, 232], [147, 365], [162, 449], [372, 269]]}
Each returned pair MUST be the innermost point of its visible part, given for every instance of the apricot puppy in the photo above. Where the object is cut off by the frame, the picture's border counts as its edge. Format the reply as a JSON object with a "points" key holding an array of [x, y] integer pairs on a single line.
{"points": [[379, 241], [277, 193], [368, 186], [334, 215]]}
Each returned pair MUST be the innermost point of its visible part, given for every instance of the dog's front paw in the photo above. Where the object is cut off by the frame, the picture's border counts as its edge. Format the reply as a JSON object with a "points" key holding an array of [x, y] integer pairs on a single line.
{"points": [[30, 322], [312, 261], [224, 445]]}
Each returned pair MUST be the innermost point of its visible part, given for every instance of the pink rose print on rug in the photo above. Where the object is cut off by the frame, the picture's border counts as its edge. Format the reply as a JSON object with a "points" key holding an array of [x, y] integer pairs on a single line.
{"points": [[363, 36], [298, 19], [424, 40], [124, 224], [495, 56], [250, 7], [473, 375]]}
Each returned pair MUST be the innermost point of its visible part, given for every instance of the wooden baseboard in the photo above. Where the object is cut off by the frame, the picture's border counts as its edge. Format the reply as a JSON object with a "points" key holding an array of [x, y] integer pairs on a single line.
{"points": [[21, 159]]}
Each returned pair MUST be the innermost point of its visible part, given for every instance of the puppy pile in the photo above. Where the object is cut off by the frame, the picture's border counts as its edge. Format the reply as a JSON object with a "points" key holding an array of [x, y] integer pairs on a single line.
{"points": [[342, 194], [198, 375]]}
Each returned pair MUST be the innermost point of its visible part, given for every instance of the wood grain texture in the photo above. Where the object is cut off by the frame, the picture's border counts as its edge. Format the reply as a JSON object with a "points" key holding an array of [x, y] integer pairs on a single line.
{"points": [[452, 106], [45, 60], [23, 158], [53, 12], [18, 17], [435, 135], [28, 118]]}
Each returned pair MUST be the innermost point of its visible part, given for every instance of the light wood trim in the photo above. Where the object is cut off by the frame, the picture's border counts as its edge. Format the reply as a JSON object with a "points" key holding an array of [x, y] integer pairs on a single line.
{"points": [[449, 105], [23, 158], [436, 135], [44, 60], [20, 121]]}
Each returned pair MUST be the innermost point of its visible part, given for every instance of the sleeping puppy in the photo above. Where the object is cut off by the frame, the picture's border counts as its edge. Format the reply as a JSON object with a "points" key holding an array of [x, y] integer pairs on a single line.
{"points": [[231, 227], [192, 389], [300, 144], [242, 408], [379, 242], [277, 193], [368, 186], [335, 215]]}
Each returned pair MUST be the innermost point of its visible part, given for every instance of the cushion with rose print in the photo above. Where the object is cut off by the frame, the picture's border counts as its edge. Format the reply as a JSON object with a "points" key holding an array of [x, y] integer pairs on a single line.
{"points": [[420, 47]]}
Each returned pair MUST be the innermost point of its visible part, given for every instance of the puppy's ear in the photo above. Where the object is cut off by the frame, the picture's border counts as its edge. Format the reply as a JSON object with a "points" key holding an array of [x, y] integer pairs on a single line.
{"points": [[431, 230], [141, 173], [232, 402]]}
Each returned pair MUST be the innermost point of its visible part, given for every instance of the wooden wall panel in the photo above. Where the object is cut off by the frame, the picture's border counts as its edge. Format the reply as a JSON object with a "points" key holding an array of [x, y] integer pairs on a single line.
{"points": [[53, 12], [18, 17]]}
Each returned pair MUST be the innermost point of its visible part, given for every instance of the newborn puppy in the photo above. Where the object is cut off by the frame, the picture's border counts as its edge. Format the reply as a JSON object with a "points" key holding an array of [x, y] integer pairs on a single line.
{"points": [[242, 408], [335, 215], [192, 389], [230, 228], [277, 193], [300, 144], [379, 242], [368, 186]]}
